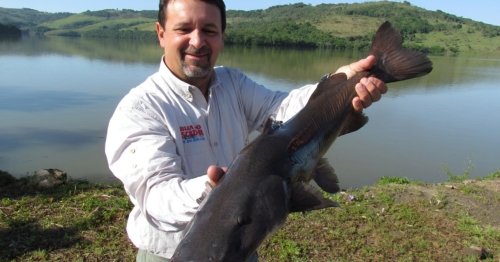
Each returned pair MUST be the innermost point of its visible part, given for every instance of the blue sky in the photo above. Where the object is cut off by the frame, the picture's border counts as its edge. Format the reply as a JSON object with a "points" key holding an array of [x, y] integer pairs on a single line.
{"points": [[486, 11]]}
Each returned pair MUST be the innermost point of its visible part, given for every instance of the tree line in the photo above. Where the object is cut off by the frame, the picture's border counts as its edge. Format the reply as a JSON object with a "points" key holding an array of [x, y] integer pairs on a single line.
{"points": [[9, 29], [291, 25], [290, 34]]}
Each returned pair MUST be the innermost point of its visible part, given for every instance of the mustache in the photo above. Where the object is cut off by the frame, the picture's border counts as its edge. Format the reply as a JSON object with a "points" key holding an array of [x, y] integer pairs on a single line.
{"points": [[204, 50]]}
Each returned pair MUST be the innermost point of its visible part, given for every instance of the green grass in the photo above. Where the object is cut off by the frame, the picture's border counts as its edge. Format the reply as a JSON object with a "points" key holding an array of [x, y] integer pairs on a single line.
{"points": [[395, 220], [75, 221], [74, 19], [459, 177], [140, 24], [463, 40], [352, 25], [492, 176], [394, 180]]}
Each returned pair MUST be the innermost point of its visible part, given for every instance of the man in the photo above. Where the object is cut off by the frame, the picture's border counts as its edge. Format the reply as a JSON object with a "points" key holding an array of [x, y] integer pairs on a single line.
{"points": [[188, 117]]}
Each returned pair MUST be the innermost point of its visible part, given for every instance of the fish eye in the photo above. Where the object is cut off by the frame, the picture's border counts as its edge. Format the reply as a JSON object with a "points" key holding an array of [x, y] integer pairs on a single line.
{"points": [[244, 220]]}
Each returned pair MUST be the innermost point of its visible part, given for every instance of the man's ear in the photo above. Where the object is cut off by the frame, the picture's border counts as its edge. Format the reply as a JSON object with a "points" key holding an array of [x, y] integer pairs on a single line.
{"points": [[160, 32]]}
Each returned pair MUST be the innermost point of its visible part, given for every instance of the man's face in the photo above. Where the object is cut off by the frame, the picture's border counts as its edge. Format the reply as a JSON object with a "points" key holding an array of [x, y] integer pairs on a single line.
{"points": [[192, 39]]}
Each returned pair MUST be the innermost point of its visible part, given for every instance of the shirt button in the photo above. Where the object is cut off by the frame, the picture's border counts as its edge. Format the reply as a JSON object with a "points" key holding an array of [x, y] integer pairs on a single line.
{"points": [[216, 144], [134, 165], [188, 95], [132, 150]]}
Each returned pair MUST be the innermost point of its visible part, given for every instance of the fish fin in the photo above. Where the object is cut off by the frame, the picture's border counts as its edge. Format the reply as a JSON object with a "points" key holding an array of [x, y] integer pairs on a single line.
{"points": [[326, 83], [393, 62], [271, 125], [354, 122], [306, 197], [325, 177], [305, 135]]}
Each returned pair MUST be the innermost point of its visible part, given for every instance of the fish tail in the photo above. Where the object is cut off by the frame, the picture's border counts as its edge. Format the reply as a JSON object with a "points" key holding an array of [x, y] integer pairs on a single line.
{"points": [[393, 62]]}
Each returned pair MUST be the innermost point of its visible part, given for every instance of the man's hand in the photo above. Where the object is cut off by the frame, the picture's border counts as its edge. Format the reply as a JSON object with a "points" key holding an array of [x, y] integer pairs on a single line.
{"points": [[215, 174], [370, 89]]}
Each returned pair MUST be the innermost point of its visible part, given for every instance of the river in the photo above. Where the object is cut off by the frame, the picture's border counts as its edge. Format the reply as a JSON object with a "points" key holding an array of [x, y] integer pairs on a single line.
{"points": [[58, 93]]}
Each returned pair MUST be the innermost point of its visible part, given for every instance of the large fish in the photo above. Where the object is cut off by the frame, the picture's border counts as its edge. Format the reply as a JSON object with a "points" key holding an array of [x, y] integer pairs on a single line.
{"points": [[269, 178]]}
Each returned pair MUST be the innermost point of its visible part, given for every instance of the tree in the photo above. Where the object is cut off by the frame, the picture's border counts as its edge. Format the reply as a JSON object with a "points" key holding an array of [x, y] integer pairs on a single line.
{"points": [[8, 29]]}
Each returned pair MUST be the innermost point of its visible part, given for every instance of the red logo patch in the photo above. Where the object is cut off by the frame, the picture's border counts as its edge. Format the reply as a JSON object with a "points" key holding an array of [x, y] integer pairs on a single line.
{"points": [[191, 134]]}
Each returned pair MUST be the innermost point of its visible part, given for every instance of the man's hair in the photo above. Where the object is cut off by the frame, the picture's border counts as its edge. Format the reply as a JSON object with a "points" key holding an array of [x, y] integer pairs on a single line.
{"points": [[162, 13]]}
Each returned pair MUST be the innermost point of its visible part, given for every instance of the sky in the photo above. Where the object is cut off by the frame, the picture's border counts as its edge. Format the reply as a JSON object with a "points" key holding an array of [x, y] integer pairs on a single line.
{"points": [[486, 11]]}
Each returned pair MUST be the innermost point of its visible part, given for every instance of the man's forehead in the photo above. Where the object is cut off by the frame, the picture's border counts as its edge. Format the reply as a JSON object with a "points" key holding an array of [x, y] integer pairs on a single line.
{"points": [[187, 11], [198, 3]]}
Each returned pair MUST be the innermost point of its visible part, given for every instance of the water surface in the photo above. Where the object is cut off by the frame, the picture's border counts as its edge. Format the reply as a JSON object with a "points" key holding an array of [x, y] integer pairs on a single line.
{"points": [[58, 93]]}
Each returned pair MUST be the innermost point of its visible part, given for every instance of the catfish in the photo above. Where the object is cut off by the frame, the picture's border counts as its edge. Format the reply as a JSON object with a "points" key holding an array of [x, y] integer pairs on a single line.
{"points": [[270, 177]]}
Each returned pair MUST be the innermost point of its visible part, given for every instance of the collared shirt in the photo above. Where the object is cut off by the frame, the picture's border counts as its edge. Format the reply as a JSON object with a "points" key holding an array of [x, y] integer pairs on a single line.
{"points": [[164, 135]]}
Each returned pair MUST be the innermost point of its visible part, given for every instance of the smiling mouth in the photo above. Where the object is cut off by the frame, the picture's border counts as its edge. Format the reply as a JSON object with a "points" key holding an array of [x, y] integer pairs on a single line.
{"points": [[196, 55]]}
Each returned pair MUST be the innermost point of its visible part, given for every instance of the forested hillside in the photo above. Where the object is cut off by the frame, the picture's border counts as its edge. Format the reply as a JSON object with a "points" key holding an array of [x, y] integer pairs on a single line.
{"points": [[339, 26], [9, 29], [352, 26], [26, 18]]}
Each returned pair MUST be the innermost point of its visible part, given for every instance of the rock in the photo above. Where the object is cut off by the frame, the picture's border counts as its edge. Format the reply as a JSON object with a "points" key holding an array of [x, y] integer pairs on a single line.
{"points": [[49, 177], [468, 182], [477, 252]]}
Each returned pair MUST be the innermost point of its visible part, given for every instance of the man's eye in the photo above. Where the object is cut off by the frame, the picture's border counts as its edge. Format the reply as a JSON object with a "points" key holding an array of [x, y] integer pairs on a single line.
{"points": [[210, 32]]}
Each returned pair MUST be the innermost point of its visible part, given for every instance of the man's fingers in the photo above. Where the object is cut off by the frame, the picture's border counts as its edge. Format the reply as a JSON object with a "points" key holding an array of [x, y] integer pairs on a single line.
{"points": [[215, 173], [364, 95], [372, 89], [363, 64], [379, 84], [357, 104], [353, 68]]}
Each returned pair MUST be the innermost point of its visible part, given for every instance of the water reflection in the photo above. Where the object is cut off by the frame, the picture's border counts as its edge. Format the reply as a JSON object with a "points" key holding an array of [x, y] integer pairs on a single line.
{"points": [[19, 139], [29, 99], [9, 142], [111, 50], [58, 93]]}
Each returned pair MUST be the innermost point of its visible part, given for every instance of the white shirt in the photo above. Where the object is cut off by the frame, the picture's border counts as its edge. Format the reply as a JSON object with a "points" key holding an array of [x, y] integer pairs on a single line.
{"points": [[164, 135]]}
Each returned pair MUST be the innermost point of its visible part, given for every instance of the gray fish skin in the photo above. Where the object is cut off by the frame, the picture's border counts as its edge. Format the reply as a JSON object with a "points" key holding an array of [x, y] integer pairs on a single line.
{"points": [[270, 177]]}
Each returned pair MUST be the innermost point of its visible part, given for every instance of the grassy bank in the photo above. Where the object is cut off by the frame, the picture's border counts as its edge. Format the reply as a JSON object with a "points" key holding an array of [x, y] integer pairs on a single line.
{"points": [[394, 220]]}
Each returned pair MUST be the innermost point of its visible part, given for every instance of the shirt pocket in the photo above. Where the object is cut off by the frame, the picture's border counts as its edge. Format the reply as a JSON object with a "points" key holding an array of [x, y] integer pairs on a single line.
{"points": [[198, 157]]}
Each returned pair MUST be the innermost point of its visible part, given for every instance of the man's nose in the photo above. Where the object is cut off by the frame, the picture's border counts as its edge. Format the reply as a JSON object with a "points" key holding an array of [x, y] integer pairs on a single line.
{"points": [[197, 39]]}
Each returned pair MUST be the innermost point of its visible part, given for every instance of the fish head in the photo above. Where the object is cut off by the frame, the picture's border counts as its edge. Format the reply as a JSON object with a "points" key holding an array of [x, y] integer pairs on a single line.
{"points": [[234, 221]]}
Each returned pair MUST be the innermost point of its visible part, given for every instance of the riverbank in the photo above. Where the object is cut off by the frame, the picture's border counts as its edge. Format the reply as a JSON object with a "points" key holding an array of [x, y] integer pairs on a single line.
{"points": [[394, 220]]}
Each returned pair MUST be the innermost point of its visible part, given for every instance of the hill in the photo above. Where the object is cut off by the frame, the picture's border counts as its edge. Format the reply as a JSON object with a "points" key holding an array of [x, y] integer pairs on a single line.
{"points": [[105, 23], [26, 18], [340, 26]]}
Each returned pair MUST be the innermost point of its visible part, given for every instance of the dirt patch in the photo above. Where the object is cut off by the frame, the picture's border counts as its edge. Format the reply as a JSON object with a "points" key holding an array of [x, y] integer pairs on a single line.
{"points": [[477, 198]]}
